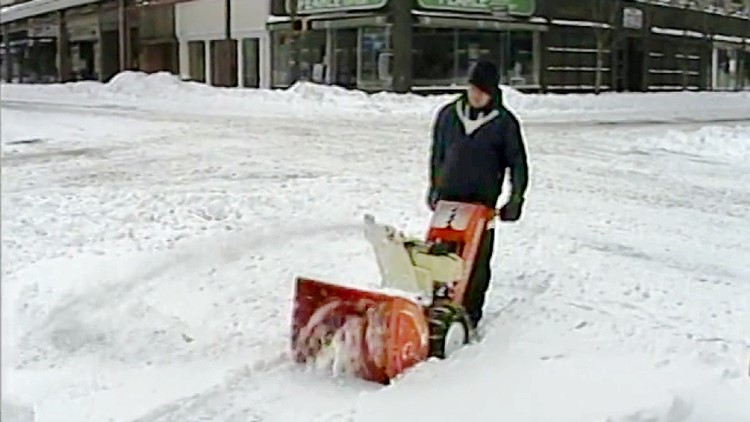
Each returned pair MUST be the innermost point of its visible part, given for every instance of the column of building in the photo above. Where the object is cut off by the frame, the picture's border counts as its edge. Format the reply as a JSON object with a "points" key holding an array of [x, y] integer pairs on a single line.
{"points": [[402, 37], [64, 72], [8, 58]]}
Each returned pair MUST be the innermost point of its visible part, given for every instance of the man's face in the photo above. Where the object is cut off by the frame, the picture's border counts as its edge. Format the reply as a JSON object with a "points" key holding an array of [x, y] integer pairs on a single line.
{"points": [[477, 97]]}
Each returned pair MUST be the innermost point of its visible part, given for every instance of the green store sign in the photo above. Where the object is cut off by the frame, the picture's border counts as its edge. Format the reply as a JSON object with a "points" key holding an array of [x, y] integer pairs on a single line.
{"points": [[306, 7], [511, 7]]}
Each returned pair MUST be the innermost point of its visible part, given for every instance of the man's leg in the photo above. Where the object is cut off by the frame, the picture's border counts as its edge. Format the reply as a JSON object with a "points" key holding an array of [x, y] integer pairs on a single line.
{"points": [[479, 281]]}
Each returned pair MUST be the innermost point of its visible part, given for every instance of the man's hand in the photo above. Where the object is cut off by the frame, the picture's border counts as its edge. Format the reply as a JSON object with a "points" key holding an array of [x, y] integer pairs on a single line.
{"points": [[512, 210], [432, 199]]}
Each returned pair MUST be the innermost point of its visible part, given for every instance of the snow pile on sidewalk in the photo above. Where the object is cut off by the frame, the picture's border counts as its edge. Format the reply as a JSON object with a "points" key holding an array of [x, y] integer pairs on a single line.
{"points": [[718, 142], [163, 90]]}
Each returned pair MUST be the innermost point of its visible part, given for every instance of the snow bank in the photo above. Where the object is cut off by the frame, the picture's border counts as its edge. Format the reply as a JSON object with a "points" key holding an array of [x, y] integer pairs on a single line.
{"points": [[21, 129], [163, 90], [717, 142]]}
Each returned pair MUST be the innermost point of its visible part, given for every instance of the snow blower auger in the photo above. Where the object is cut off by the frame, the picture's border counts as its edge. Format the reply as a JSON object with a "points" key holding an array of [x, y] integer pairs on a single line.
{"points": [[416, 314]]}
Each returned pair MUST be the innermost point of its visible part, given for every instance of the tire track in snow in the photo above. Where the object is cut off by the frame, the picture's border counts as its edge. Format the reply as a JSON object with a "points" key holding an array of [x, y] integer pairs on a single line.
{"points": [[70, 325], [561, 121], [193, 407], [504, 320], [75, 314], [268, 381]]}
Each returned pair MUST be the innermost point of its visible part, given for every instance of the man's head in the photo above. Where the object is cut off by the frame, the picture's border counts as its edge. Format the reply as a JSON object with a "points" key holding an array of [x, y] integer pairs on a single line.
{"points": [[484, 79]]}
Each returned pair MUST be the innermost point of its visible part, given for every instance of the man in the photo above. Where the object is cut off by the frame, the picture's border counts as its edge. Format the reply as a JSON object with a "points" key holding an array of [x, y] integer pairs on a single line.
{"points": [[475, 139]]}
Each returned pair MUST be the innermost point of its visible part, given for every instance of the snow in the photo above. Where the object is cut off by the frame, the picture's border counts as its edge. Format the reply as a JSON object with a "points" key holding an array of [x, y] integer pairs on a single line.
{"points": [[708, 142], [131, 93], [152, 230]]}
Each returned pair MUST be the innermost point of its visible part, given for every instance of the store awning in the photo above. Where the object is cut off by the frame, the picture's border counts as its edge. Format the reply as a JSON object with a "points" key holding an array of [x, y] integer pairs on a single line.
{"points": [[27, 42], [424, 19], [473, 21], [328, 21], [38, 7]]}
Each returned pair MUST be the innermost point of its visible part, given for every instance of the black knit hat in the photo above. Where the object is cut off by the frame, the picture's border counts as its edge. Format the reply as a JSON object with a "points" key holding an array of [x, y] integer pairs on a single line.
{"points": [[485, 76]]}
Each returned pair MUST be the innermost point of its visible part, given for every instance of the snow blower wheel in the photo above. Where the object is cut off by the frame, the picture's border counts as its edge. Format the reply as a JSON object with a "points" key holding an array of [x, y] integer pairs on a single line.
{"points": [[449, 330]]}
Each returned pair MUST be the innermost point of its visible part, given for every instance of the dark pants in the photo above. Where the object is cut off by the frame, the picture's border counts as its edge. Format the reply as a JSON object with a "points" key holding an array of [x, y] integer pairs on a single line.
{"points": [[479, 281]]}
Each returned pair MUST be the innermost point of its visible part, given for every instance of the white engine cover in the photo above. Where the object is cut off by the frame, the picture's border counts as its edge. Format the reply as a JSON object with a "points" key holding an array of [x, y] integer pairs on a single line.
{"points": [[410, 269]]}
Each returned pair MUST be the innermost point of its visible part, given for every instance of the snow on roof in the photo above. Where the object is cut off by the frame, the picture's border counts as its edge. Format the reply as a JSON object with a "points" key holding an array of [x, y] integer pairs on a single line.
{"points": [[734, 8], [587, 24], [677, 32], [727, 38], [276, 19]]}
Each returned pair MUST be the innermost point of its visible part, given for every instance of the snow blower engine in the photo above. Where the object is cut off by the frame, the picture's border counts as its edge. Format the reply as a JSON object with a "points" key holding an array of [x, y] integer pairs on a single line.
{"points": [[415, 314]]}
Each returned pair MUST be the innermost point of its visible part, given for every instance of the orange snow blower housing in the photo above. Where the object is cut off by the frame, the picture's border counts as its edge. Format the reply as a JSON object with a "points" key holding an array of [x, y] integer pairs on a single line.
{"points": [[416, 313]]}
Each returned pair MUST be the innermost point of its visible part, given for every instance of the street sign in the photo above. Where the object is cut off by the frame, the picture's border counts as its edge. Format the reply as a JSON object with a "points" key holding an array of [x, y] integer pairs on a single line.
{"points": [[632, 18]]}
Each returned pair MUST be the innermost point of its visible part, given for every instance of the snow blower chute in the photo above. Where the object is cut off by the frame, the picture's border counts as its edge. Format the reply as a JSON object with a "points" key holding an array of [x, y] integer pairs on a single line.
{"points": [[417, 313]]}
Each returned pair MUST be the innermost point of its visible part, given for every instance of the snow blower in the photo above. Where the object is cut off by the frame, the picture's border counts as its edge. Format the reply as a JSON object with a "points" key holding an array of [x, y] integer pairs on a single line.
{"points": [[415, 314]]}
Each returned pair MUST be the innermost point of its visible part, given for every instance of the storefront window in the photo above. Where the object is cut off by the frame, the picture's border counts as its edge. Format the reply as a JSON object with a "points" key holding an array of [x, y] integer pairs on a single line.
{"points": [[41, 56], [83, 60], [29, 60], [343, 71], [518, 64], [746, 68], [443, 57], [474, 46], [12, 60], [313, 56], [350, 57], [197, 60], [5, 59], [376, 62], [726, 68], [312, 49], [434, 59], [282, 60]]}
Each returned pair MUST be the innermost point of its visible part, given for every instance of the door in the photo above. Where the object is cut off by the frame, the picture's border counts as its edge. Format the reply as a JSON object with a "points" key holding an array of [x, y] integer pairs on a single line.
{"points": [[110, 58], [635, 54], [224, 63], [345, 58], [197, 61], [251, 62]]}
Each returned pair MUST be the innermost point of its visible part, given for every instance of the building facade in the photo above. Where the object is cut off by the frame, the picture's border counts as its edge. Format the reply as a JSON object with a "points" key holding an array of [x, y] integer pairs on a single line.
{"points": [[202, 30], [393, 45], [548, 46], [69, 40]]}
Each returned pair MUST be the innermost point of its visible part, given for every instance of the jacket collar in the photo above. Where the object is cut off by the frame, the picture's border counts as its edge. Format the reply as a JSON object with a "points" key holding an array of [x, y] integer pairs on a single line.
{"points": [[472, 125]]}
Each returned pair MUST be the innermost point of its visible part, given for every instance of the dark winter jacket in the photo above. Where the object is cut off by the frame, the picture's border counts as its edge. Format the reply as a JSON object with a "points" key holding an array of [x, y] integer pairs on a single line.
{"points": [[471, 149]]}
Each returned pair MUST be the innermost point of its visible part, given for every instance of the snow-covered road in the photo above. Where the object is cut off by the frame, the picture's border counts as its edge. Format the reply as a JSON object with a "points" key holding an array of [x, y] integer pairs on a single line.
{"points": [[149, 247]]}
